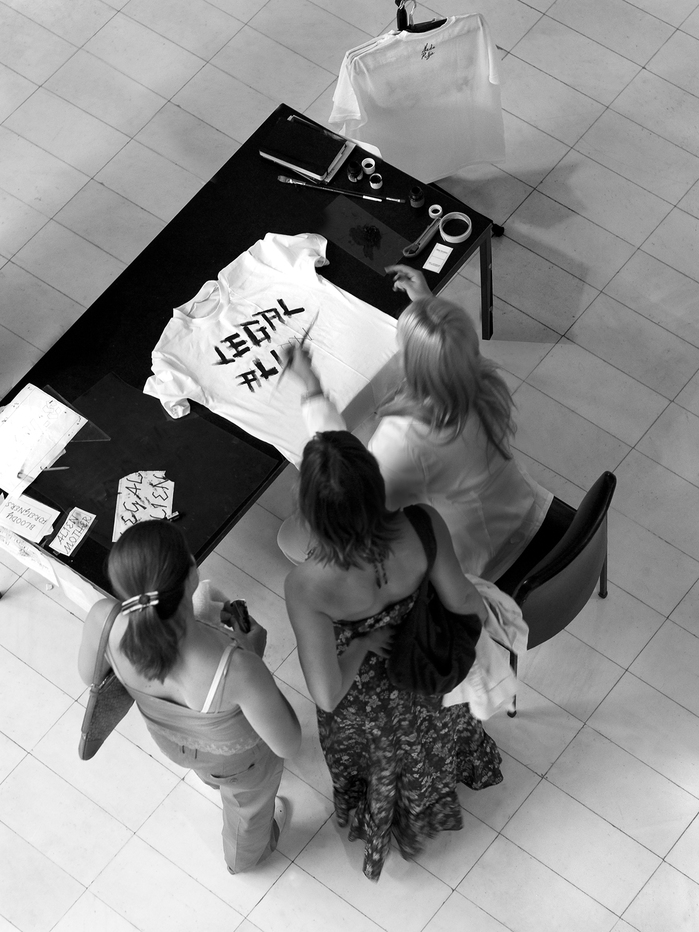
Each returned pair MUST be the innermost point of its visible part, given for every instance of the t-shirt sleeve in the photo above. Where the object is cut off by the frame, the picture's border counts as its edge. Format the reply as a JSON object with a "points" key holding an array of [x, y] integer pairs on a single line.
{"points": [[400, 463], [319, 414], [172, 386], [346, 109]]}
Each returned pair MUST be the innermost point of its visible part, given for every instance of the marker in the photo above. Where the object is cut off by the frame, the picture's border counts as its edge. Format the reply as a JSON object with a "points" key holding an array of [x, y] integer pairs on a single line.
{"points": [[173, 517]]}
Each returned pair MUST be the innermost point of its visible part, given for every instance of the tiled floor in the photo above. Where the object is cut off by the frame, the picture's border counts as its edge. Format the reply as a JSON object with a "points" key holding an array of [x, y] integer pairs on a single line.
{"points": [[114, 114]]}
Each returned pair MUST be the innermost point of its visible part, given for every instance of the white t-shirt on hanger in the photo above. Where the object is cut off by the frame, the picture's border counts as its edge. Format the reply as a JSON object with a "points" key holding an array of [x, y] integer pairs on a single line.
{"points": [[430, 101]]}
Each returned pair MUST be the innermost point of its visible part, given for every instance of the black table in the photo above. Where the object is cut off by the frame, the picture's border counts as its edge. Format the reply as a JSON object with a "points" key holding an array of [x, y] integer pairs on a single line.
{"points": [[101, 364]]}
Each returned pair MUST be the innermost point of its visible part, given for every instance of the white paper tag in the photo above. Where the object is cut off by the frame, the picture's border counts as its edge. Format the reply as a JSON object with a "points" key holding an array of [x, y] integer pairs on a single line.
{"points": [[140, 497], [75, 527], [436, 259], [27, 517]]}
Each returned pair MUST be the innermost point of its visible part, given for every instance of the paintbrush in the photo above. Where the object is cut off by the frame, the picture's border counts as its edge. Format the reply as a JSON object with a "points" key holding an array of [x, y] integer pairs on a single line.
{"points": [[320, 187], [292, 348]]}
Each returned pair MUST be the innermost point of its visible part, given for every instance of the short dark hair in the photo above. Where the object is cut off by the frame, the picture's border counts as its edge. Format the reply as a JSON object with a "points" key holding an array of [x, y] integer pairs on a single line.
{"points": [[151, 556], [342, 496]]}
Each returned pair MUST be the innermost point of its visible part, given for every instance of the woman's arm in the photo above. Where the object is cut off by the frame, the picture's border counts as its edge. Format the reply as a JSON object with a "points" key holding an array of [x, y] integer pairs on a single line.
{"points": [[327, 676], [92, 632], [251, 686], [456, 592]]}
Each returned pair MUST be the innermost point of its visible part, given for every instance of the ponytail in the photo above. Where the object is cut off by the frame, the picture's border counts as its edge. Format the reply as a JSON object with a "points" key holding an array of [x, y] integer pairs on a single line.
{"points": [[151, 557]]}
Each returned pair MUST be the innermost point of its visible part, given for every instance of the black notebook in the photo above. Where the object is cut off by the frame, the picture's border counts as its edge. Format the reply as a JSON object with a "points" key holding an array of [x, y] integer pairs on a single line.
{"points": [[306, 148]]}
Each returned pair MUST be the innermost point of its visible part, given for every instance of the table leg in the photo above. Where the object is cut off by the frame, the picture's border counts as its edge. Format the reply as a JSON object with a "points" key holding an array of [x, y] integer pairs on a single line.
{"points": [[486, 256]]}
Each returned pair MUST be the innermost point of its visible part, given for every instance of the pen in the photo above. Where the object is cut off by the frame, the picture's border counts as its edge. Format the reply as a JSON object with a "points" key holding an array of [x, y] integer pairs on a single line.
{"points": [[320, 187]]}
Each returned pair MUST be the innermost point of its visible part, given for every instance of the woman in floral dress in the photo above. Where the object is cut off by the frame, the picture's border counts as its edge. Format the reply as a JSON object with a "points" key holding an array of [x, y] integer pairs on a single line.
{"points": [[395, 757]]}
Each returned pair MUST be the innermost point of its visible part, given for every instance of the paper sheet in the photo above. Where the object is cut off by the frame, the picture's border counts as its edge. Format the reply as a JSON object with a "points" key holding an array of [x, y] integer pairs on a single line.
{"points": [[34, 430], [74, 529], [27, 517], [27, 553], [141, 496]]}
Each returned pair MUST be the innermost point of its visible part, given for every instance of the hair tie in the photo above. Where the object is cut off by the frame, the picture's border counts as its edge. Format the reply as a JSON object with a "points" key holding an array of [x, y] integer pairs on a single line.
{"points": [[138, 602]]}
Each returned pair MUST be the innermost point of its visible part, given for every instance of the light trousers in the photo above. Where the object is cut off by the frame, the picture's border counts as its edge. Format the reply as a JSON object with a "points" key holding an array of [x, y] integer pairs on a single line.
{"points": [[248, 782]]}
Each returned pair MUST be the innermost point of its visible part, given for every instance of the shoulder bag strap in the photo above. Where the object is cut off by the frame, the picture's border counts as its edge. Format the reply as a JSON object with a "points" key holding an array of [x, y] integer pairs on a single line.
{"points": [[422, 524], [101, 662]]}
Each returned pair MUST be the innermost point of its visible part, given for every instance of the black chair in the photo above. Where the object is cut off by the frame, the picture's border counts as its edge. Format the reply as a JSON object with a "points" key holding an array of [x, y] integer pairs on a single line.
{"points": [[552, 591]]}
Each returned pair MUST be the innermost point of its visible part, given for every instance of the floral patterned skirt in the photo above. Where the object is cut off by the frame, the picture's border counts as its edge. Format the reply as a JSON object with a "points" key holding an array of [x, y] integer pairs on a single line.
{"points": [[396, 758]]}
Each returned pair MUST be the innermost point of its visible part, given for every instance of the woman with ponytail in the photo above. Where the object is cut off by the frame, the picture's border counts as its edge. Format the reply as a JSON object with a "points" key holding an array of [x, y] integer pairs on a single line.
{"points": [[207, 698], [443, 438]]}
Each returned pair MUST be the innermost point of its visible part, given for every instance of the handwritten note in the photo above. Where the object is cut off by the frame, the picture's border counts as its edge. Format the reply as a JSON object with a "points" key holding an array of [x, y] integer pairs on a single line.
{"points": [[142, 496], [27, 517], [74, 528], [34, 430], [27, 553]]}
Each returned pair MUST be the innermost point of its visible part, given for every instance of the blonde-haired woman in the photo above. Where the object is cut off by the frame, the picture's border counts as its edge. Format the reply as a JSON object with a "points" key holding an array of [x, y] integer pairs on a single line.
{"points": [[443, 438]]}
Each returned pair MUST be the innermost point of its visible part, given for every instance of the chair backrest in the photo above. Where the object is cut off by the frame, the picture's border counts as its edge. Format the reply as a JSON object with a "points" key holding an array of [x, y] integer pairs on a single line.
{"points": [[558, 587]]}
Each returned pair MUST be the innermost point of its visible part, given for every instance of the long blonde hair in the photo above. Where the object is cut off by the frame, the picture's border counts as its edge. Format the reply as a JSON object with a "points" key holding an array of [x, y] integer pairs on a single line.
{"points": [[445, 376]]}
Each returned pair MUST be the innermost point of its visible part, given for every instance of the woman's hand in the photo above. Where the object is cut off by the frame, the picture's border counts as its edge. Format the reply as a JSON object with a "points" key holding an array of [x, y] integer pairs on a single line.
{"points": [[253, 638], [297, 361], [409, 280], [380, 641]]}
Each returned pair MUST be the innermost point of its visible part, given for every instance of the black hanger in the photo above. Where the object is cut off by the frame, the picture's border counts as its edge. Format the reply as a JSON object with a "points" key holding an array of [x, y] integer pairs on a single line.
{"points": [[404, 22]]}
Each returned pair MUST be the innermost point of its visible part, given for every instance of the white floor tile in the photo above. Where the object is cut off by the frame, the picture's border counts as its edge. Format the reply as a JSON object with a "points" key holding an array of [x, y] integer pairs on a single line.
{"points": [[286, 907], [25, 723], [541, 420], [186, 829], [527, 896], [653, 728], [626, 792], [59, 821], [570, 673], [144, 56], [581, 847], [673, 62], [659, 293], [687, 612], [182, 904], [75, 22], [58, 126], [110, 221], [87, 81], [619, 626], [14, 90], [673, 442], [685, 854], [661, 107], [225, 103], [598, 392], [646, 566], [187, 141], [635, 152], [659, 500], [617, 25], [545, 102], [669, 663], [10, 756], [576, 60], [69, 263], [531, 153], [90, 913], [273, 69], [675, 242], [605, 198], [200, 27], [636, 345], [538, 734], [43, 635], [309, 31], [337, 864], [460, 913], [29, 49], [568, 240], [34, 891], [122, 779], [670, 900]]}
